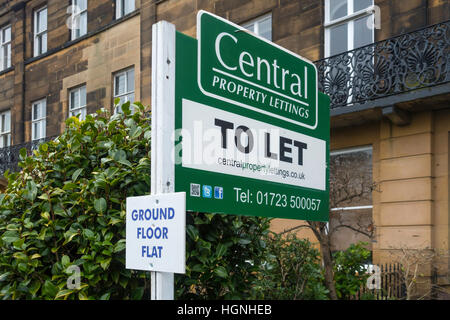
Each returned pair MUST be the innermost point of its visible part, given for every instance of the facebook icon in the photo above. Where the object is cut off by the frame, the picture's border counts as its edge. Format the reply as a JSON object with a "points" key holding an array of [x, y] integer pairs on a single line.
{"points": [[218, 192]]}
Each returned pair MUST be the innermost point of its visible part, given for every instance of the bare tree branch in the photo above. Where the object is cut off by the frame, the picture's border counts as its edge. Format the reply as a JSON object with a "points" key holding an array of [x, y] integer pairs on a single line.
{"points": [[369, 235], [307, 226]]}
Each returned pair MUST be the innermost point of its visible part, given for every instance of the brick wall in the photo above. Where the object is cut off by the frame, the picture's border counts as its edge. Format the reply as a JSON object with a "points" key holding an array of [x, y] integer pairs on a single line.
{"points": [[108, 47], [403, 16], [297, 25]]}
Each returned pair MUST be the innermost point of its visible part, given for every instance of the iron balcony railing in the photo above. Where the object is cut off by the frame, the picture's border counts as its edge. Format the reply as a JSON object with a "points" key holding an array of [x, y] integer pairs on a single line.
{"points": [[10, 156], [408, 62]]}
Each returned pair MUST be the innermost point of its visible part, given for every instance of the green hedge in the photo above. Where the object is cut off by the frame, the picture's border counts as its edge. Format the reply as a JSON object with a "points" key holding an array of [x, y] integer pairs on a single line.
{"points": [[67, 207]]}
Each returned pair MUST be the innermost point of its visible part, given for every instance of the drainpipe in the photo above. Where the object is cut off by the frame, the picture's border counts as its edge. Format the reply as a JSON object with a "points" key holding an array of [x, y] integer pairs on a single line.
{"points": [[19, 74]]}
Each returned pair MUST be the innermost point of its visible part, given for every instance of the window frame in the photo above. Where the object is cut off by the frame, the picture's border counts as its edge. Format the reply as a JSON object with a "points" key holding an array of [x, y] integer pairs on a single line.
{"points": [[127, 92], [3, 132], [38, 36], [41, 119], [348, 19], [346, 151], [350, 208], [74, 111], [256, 24], [120, 8], [6, 44], [76, 16]]}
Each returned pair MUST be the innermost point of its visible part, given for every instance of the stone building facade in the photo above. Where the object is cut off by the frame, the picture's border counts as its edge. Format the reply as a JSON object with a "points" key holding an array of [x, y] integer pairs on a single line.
{"points": [[391, 106]]}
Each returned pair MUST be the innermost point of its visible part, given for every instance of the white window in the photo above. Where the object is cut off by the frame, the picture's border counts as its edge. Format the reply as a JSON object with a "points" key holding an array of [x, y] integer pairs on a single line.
{"points": [[38, 123], [261, 26], [5, 129], [5, 48], [77, 102], [351, 187], [352, 169], [79, 18], [346, 26], [40, 31], [124, 7], [124, 87]]}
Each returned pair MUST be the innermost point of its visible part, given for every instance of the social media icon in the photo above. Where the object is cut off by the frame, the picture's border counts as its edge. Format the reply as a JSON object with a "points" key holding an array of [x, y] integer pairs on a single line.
{"points": [[207, 191], [218, 192], [195, 190]]}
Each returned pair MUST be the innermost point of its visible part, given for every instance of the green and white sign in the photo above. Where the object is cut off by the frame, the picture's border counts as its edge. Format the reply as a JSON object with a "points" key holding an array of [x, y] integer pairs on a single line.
{"points": [[252, 130], [251, 72]]}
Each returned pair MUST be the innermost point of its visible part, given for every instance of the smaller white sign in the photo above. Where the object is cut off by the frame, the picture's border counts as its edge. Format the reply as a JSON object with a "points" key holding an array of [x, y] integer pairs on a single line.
{"points": [[156, 233]]}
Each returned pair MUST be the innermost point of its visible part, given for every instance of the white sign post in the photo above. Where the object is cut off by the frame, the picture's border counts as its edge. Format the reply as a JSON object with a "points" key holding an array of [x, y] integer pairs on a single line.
{"points": [[287, 126], [163, 126]]}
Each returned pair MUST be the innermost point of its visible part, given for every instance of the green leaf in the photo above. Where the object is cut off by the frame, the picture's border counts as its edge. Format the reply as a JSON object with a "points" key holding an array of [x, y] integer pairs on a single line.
{"points": [[23, 153], [32, 190], [4, 276], [35, 256], [100, 205], [65, 260], [49, 289], [137, 294], [76, 174], [126, 162], [221, 272], [10, 236], [204, 244], [88, 233], [45, 215], [220, 250], [119, 155], [139, 105], [43, 147], [115, 275], [18, 244], [135, 132], [105, 296], [43, 196], [20, 256], [69, 186], [114, 221], [244, 241], [198, 268], [120, 245], [63, 293], [123, 282], [111, 172], [105, 263], [192, 232], [126, 108], [12, 227], [23, 267], [34, 287], [83, 296]]}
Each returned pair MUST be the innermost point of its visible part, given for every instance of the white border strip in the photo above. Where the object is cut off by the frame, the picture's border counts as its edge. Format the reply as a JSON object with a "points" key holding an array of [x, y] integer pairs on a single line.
{"points": [[352, 208], [350, 150]]}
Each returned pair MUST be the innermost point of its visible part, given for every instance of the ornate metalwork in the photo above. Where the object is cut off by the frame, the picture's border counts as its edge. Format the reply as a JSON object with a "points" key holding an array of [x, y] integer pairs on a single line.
{"points": [[10, 156], [407, 62]]}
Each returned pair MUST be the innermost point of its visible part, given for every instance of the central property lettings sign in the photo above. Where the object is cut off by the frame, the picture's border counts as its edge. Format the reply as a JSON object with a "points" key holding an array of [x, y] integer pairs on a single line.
{"points": [[252, 130], [256, 74], [248, 132]]}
